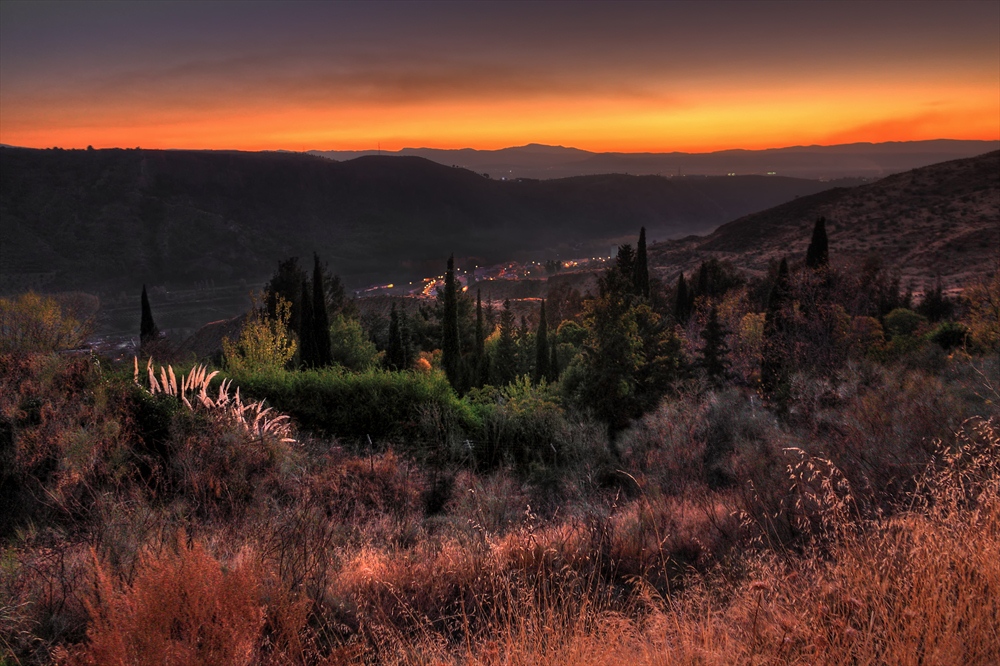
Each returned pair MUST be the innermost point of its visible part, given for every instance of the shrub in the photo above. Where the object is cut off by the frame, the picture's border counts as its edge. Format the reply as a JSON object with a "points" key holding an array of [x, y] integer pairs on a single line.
{"points": [[350, 346], [983, 317], [33, 323], [949, 335], [182, 607], [264, 343], [521, 423], [903, 322]]}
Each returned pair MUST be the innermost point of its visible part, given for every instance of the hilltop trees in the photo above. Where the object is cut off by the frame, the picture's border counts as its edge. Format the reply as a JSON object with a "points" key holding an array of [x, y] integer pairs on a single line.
{"points": [[312, 303], [935, 305], [630, 356]]}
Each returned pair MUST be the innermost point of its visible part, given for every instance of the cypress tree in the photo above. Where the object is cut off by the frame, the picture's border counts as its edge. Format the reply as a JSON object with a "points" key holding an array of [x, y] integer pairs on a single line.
{"points": [[681, 309], [715, 351], [640, 279], [450, 352], [704, 286], [321, 320], [307, 330], [406, 340], [775, 326], [621, 280], [394, 350], [542, 371], [506, 352], [147, 328], [554, 361], [287, 284], [817, 255], [480, 355]]}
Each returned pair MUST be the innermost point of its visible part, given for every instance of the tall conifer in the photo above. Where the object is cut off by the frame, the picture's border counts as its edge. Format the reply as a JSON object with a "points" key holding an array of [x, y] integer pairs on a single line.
{"points": [[506, 351], [715, 351], [681, 302], [450, 352], [406, 340], [394, 350], [542, 371], [554, 360], [480, 372], [147, 328], [321, 320], [307, 331], [704, 284], [817, 255], [773, 363], [640, 278]]}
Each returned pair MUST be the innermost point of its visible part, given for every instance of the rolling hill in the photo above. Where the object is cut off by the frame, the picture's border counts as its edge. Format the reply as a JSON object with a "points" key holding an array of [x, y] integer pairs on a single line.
{"points": [[942, 219], [868, 160], [110, 220]]}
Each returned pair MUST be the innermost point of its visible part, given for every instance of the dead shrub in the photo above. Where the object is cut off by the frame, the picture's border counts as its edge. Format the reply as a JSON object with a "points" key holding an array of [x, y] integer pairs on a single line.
{"points": [[181, 607]]}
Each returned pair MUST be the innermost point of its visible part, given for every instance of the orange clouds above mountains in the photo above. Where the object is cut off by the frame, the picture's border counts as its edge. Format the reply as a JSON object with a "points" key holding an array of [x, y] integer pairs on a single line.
{"points": [[602, 77]]}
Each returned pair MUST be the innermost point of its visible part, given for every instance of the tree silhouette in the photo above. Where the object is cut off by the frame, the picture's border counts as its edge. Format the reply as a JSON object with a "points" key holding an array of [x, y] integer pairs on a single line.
{"points": [[773, 363], [450, 352], [321, 320], [715, 352], [505, 363], [554, 360], [307, 329], [480, 371], [817, 256], [640, 279], [147, 328], [286, 283], [936, 306], [394, 354], [682, 302], [542, 371]]}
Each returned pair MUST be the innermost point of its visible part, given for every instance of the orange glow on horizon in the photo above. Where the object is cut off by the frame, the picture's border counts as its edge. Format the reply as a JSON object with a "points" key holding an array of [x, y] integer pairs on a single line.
{"points": [[716, 117], [599, 76]]}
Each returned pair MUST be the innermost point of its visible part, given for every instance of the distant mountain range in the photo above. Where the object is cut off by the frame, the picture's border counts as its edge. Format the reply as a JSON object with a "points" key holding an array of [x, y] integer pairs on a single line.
{"points": [[110, 220], [855, 160], [940, 220]]}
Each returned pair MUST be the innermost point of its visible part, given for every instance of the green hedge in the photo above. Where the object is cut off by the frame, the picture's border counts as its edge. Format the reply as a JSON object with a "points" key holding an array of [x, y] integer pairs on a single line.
{"points": [[377, 403]]}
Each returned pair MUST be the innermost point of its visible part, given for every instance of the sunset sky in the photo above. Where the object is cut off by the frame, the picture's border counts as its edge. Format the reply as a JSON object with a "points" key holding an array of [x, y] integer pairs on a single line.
{"points": [[604, 77]]}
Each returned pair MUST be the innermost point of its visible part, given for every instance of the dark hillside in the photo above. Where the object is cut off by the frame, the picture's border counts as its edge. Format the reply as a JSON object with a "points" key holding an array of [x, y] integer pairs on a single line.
{"points": [[109, 220], [943, 219]]}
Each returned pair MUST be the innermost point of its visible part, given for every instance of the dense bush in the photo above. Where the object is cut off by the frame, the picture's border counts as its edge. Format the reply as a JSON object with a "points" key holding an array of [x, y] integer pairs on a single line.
{"points": [[521, 424], [405, 407]]}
